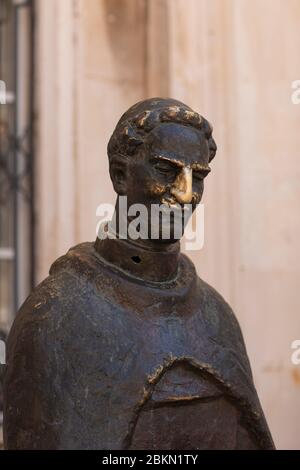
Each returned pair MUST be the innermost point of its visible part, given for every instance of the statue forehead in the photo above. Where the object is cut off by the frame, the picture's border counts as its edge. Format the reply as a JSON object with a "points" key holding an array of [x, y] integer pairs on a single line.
{"points": [[177, 141]]}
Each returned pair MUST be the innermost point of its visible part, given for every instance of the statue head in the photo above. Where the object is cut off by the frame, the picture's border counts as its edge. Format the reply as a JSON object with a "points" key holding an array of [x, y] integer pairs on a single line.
{"points": [[159, 153]]}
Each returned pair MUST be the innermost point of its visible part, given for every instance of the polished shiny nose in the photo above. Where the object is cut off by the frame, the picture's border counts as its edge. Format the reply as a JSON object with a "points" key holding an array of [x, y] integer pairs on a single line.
{"points": [[182, 188]]}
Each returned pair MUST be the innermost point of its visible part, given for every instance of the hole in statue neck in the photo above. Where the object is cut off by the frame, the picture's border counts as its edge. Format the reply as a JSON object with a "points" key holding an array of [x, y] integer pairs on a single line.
{"points": [[136, 259]]}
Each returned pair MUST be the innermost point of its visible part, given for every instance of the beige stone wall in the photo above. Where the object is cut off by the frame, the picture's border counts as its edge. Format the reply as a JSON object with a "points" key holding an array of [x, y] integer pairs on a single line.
{"points": [[234, 62]]}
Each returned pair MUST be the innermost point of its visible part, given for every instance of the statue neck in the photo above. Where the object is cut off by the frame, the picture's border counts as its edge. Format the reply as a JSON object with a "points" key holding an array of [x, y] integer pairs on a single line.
{"points": [[143, 259]]}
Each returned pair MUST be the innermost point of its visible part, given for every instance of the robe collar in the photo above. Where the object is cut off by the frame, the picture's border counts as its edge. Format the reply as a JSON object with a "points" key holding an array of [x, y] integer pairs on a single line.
{"points": [[152, 263]]}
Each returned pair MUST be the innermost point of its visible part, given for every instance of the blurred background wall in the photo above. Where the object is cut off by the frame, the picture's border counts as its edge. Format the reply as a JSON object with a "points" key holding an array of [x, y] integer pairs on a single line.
{"points": [[234, 62]]}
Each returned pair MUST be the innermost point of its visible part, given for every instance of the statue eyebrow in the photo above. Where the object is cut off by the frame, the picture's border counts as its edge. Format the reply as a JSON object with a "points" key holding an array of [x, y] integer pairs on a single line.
{"points": [[179, 164], [172, 161], [200, 167]]}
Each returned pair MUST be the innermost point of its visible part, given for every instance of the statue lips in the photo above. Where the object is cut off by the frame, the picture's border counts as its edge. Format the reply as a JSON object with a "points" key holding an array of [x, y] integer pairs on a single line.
{"points": [[174, 217], [173, 214], [176, 209], [168, 206]]}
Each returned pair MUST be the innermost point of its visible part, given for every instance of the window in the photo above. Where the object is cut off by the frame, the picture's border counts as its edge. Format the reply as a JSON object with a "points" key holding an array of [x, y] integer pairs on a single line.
{"points": [[16, 157]]}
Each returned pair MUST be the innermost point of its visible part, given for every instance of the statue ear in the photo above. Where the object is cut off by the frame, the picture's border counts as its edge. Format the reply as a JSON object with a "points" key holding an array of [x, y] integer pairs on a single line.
{"points": [[118, 168]]}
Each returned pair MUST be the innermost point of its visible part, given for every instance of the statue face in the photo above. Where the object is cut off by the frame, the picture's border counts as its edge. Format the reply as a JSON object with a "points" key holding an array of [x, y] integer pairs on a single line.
{"points": [[169, 168]]}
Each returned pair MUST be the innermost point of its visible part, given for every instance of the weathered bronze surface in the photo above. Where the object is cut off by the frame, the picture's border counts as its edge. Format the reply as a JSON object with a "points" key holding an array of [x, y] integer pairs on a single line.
{"points": [[123, 346]]}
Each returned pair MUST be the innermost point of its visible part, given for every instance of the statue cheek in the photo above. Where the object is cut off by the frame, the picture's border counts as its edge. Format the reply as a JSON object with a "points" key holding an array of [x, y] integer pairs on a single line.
{"points": [[157, 189]]}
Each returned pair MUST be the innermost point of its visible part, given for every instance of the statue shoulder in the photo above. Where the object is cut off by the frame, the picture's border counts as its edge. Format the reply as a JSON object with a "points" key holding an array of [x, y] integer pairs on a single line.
{"points": [[42, 308], [215, 302], [215, 296], [214, 308], [220, 320], [69, 280]]}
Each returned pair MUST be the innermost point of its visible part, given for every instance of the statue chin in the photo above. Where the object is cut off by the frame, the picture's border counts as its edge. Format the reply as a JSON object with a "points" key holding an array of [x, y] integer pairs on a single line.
{"points": [[166, 241]]}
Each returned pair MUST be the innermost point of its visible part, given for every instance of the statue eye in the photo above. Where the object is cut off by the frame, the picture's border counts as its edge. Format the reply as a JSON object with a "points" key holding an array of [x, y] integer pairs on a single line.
{"points": [[164, 168], [200, 175]]}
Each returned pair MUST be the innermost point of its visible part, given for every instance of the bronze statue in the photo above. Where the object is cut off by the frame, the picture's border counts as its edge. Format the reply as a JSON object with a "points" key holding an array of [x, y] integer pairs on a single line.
{"points": [[123, 346]]}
